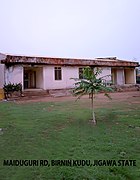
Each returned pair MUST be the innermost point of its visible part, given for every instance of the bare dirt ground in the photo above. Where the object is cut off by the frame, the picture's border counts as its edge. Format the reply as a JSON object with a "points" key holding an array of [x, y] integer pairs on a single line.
{"points": [[132, 97]]}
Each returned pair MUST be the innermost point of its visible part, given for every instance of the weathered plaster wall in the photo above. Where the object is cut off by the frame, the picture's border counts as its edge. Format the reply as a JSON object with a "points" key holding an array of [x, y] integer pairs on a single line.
{"points": [[67, 73], [120, 77], [1, 75], [2, 57], [14, 74], [114, 75], [106, 73], [45, 77], [39, 78], [130, 76]]}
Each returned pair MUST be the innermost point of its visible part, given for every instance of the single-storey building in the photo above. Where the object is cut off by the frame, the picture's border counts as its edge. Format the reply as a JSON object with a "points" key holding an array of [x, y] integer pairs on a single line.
{"points": [[138, 75], [55, 73]]}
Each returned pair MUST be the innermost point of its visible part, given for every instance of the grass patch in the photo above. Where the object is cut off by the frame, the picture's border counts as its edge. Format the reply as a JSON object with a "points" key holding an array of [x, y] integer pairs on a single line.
{"points": [[60, 130]]}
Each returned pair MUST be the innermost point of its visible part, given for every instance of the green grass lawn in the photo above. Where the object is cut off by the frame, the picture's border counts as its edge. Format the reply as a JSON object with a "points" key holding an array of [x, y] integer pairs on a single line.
{"points": [[61, 131]]}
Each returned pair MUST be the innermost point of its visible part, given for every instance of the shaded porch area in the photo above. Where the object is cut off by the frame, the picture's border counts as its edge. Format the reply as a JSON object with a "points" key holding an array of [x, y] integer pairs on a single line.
{"points": [[123, 76], [33, 78]]}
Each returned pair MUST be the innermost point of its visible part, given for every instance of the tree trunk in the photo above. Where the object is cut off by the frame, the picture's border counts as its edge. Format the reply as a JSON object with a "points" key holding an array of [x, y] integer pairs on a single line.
{"points": [[93, 113]]}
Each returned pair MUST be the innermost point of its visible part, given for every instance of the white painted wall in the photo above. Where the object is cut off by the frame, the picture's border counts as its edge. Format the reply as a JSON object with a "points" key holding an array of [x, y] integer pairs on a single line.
{"points": [[2, 57], [120, 77], [39, 78], [67, 73], [14, 74], [46, 79], [130, 76], [1, 75], [135, 76], [106, 73]]}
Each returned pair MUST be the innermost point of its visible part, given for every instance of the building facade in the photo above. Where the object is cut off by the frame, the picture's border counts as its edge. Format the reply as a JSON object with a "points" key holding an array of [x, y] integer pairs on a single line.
{"points": [[56, 73]]}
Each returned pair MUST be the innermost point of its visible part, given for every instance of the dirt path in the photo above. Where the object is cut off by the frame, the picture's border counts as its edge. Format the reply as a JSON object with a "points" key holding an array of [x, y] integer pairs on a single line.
{"points": [[100, 98]]}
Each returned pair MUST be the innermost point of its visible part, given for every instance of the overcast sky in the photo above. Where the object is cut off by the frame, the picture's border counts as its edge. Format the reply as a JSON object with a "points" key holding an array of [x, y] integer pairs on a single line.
{"points": [[71, 28]]}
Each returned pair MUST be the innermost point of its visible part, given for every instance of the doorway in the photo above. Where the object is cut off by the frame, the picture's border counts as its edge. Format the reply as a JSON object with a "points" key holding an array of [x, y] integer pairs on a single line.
{"points": [[29, 79], [114, 76], [129, 76]]}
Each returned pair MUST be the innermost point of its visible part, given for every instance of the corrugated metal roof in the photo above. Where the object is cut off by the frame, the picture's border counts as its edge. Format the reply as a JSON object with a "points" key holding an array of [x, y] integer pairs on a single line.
{"points": [[108, 62]]}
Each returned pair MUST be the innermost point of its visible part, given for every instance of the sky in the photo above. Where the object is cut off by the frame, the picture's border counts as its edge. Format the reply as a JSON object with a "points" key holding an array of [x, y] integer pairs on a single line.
{"points": [[71, 28]]}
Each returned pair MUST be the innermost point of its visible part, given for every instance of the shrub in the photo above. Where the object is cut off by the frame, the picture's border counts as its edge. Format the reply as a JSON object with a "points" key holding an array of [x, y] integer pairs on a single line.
{"points": [[11, 87]]}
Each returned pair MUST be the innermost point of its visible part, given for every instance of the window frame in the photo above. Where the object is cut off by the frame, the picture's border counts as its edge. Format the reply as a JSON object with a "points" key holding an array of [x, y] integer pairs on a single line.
{"points": [[80, 71], [57, 73]]}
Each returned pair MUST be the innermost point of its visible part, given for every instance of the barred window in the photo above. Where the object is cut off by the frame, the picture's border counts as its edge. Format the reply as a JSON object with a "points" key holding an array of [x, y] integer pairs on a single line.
{"points": [[58, 73], [80, 73]]}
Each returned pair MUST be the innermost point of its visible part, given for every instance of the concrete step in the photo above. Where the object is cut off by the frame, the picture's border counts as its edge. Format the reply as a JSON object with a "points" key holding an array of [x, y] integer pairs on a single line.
{"points": [[35, 92], [60, 92], [127, 87]]}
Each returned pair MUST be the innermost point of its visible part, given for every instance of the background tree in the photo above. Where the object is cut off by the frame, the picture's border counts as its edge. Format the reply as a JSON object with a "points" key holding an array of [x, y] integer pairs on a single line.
{"points": [[91, 84]]}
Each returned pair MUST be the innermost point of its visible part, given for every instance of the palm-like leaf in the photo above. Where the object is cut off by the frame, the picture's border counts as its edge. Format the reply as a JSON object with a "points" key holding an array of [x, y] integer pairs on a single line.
{"points": [[91, 85]]}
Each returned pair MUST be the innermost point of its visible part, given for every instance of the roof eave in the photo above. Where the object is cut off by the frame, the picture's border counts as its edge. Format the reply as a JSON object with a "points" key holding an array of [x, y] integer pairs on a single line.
{"points": [[11, 60]]}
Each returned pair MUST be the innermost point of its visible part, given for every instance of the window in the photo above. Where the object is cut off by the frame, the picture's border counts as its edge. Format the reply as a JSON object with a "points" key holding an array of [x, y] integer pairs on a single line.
{"points": [[57, 73], [80, 73]]}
